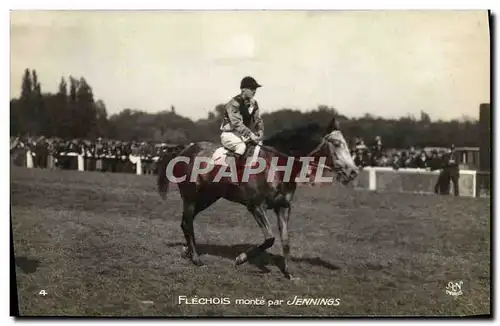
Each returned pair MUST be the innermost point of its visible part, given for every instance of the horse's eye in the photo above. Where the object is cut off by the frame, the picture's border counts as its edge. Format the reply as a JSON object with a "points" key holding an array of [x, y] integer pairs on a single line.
{"points": [[336, 143]]}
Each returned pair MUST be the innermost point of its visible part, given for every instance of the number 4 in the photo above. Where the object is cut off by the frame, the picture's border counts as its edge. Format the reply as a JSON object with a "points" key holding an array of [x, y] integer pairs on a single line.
{"points": [[42, 292]]}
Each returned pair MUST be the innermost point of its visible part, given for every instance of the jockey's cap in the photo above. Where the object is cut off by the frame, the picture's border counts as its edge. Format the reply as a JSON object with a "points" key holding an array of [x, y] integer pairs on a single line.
{"points": [[249, 82]]}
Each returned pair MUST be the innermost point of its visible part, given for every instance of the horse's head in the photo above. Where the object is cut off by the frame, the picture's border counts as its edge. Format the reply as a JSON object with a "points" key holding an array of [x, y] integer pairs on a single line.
{"points": [[303, 140], [338, 154]]}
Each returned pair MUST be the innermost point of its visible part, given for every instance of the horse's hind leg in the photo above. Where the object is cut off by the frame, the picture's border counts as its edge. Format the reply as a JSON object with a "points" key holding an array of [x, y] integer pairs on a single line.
{"points": [[187, 227], [259, 214], [191, 209]]}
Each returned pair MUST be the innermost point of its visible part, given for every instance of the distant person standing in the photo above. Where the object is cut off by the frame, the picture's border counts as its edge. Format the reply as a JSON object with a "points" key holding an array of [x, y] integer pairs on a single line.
{"points": [[377, 151], [449, 172], [453, 169], [436, 162]]}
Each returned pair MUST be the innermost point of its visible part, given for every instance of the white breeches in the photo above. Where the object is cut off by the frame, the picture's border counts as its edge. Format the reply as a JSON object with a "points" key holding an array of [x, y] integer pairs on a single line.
{"points": [[233, 142]]}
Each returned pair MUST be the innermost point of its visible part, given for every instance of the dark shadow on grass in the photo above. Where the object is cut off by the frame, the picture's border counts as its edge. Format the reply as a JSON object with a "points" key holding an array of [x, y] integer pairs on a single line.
{"points": [[26, 265], [261, 261]]}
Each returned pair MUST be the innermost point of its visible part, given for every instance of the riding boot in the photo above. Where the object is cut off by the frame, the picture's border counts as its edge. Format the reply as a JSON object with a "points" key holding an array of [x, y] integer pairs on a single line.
{"points": [[239, 160]]}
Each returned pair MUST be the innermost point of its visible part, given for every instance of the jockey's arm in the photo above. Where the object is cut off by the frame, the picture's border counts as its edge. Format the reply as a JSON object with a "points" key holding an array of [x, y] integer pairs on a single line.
{"points": [[236, 121]]}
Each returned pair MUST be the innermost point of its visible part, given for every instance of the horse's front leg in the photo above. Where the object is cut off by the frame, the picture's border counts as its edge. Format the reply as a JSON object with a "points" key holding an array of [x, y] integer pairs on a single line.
{"points": [[259, 213], [283, 214]]}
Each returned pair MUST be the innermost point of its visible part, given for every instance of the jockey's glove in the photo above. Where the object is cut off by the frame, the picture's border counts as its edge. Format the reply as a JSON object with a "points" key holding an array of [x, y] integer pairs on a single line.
{"points": [[254, 138]]}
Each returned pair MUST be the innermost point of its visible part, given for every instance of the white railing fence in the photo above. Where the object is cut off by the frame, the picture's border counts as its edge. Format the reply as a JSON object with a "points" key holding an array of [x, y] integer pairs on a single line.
{"points": [[412, 180], [137, 160], [371, 178]]}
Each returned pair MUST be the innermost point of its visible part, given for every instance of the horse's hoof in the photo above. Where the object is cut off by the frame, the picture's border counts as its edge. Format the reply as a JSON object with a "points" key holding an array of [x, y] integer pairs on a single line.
{"points": [[197, 262], [240, 259], [185, 253], [291, 277]]}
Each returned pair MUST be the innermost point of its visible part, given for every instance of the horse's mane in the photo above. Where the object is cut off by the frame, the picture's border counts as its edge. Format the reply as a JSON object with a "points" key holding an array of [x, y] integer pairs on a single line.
{"points": [[298, 139]]}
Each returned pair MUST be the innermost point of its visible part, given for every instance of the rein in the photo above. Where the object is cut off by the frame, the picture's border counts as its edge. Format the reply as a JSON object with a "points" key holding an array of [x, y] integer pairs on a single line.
{"points": [[275, 151]]}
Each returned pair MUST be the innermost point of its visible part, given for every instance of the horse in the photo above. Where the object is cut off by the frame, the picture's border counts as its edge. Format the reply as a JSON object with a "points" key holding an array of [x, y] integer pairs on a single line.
{"points": [[260, 192]]}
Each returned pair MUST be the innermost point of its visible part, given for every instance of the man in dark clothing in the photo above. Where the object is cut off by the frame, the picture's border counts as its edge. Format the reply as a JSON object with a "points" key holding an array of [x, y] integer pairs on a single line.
{"points": [[42, 152], [449, 172], [403, 160], [453, 170], [421, 161], [377, 151], [396, 161], [437, 163]]}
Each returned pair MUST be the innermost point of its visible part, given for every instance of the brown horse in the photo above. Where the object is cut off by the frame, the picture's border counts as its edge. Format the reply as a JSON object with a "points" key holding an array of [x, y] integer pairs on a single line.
{"points": [[272, 188]]}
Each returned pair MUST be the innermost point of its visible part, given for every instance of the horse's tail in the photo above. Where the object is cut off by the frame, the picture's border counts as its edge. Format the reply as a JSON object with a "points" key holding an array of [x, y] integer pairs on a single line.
{"points": [[162, 180]]}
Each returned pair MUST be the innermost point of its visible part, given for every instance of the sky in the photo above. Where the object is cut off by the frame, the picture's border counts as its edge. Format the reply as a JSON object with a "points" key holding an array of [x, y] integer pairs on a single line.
{"points": [[386, 63]]}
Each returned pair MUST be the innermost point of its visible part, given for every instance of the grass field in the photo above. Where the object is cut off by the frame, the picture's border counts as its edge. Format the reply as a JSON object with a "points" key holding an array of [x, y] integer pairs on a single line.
{"points": [[107, 245]]}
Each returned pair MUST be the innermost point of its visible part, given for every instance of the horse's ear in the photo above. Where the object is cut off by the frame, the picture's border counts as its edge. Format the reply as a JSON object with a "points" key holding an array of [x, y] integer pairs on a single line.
{"points": [[334, 125]]}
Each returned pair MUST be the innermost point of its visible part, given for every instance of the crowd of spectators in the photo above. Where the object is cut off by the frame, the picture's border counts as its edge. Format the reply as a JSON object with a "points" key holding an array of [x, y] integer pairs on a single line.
{"points": [[104, 155], [377, 155], [109, 155]]}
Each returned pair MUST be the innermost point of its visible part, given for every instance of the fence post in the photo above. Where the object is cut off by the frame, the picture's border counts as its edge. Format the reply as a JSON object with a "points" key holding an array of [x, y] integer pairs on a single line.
{"points": [[80, 163], [29, 159], [138, 166], [372, 180], [474, 183]]}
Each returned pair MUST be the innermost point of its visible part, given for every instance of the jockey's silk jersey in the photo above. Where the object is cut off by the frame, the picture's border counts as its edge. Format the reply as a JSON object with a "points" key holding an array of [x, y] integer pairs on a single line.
{"points": [[242, 116], [244, 109]]}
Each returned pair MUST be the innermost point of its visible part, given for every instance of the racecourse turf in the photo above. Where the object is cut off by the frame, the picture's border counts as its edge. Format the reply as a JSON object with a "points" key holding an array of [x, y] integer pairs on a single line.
{"points": [[103, 244]]}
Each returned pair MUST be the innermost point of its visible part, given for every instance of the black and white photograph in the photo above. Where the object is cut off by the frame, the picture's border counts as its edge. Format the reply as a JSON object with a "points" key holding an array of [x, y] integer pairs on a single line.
{"points": [[251, 163]]}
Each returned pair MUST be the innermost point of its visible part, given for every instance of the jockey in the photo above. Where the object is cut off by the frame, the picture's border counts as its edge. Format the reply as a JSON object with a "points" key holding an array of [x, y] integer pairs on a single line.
{"points": [[242, 121]]}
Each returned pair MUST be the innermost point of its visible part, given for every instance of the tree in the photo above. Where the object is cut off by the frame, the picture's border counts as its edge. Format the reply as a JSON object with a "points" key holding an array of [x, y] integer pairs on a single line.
{"points": [[425, 118], [63, 88], [27, 85], [62, 114], [35, 84], [85, 123], [39, 116], [73, 85], [101, 118]]}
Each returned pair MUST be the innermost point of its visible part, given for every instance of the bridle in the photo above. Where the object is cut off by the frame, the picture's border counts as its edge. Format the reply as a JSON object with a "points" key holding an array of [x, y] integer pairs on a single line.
{"points": [[325, 141], [337, 168], [314, 151]]}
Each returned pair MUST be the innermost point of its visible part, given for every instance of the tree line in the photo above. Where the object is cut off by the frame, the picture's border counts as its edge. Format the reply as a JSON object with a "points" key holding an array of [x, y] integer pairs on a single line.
{"points": [[73, 112]]}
